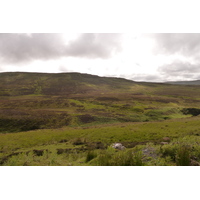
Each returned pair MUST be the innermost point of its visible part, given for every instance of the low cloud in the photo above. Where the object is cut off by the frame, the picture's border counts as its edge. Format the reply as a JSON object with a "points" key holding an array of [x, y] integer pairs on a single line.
{"points": [[182, 50], [20, 48], [184, 70], [145, 77]]}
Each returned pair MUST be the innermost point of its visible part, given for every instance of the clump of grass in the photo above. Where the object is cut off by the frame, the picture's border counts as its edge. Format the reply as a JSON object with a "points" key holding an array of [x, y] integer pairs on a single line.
{"points": [[169, 150], [183, 156], [112, 157], [128, 158], [90, 156], [79, 141]]}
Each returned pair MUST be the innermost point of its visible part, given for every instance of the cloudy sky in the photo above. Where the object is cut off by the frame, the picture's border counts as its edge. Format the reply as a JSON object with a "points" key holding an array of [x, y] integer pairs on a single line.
{"points": [[140, 57]]}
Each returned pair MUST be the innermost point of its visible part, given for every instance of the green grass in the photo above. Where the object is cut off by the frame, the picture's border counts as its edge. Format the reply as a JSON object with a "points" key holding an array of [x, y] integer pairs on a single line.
{"points": [[126, 132]]}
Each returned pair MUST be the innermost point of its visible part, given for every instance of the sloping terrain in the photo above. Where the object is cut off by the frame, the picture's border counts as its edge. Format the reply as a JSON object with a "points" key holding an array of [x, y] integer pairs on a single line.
{"points": [[73, 118], [18, 83], [37, 100]]}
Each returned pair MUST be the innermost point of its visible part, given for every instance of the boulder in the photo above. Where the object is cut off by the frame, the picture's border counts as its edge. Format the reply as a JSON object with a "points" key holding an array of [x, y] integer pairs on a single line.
{"points": [[118, 146]]}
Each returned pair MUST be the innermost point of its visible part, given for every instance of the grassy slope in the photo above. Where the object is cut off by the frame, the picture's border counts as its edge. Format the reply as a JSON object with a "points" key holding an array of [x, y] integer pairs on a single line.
{"points": [[94, 111], [130, 134]]}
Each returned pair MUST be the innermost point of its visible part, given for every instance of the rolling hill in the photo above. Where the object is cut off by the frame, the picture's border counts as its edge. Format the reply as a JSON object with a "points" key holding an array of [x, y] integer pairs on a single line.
{"points": [[73, 118]]}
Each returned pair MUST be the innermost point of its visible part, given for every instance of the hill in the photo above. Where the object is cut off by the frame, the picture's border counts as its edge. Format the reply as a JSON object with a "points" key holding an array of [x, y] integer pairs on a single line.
{"points": [[21, 83], [38, 100], [73, 119]]}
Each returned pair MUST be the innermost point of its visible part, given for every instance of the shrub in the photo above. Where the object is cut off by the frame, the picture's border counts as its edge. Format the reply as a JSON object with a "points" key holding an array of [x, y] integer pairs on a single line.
{"points": [[169, 150], [192, 111]]}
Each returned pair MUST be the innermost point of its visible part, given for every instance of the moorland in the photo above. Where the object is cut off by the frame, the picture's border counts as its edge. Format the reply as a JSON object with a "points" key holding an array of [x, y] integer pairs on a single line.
{"points": [[72, 119]]}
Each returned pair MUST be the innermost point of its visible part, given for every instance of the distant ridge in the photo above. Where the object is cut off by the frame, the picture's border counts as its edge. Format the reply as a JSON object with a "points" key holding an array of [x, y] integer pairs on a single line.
{"points": [[196, 82], [27, 83]]}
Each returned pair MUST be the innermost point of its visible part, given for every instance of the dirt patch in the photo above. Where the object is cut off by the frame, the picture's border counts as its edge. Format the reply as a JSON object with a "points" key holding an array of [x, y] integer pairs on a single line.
{"points": [[95, 145], [107, 99], [133, 144], [70, 150], [86, 118], [63, 141], [39, 152], [150, 152]]}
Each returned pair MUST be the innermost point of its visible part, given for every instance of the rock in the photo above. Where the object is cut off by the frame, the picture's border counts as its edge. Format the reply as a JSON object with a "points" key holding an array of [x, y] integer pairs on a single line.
{"points": [[118, 146], [194, 163], [163, 143], [166, 139], [149, 152]]}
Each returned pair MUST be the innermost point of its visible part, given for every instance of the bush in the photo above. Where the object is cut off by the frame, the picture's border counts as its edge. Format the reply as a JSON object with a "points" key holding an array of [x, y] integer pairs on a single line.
{"points": [[169, 150], [191, 111]]}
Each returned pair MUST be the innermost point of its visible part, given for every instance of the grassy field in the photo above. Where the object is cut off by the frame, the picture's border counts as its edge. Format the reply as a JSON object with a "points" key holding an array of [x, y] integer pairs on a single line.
{"points": [[73, 119]]}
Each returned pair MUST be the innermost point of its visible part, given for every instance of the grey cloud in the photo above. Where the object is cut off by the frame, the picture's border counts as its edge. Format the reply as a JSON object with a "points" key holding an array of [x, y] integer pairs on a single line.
{"points": [[184, 70], [187, 44], [92, 45], [15, 48], [19, 48], [179, 67], [182, 46]]}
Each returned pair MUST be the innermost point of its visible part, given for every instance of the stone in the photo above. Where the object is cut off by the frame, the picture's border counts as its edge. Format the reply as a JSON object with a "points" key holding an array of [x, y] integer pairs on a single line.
{"points": [[194, 163], [163, 143], [166, 139], [118, 146]]}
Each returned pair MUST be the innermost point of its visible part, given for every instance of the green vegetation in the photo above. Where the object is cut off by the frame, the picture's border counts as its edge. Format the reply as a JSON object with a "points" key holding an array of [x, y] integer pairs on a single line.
{"points": [[73, 119]]}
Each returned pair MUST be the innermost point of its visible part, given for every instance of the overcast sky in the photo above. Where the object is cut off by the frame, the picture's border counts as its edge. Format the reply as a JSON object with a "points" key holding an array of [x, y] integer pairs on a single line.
{"points": [[139, 57]]}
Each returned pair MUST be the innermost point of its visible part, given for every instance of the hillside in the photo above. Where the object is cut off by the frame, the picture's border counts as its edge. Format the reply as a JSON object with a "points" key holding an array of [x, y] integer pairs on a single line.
{"points": [[20, 83], [37, 100], [73, 118]]}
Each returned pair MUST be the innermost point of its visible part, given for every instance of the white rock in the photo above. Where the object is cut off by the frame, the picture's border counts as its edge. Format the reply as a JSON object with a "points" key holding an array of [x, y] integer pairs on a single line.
{"points": [[118, 146]]}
